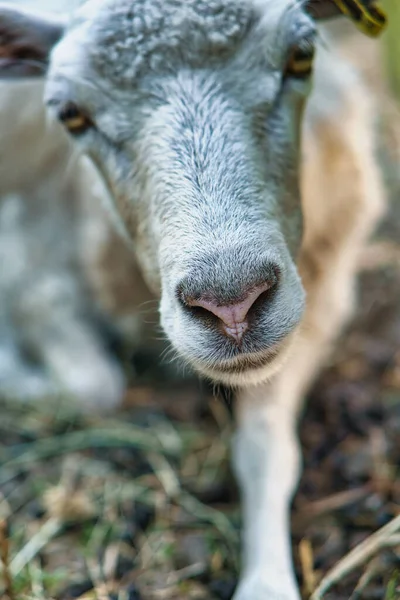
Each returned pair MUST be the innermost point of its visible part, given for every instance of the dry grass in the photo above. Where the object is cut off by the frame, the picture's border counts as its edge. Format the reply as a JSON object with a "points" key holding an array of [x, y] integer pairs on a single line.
{"points": [[109, 506], [142, 504]]}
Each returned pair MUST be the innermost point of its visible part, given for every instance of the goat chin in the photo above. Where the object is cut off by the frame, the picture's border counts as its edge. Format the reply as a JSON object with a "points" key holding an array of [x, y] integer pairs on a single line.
{"points": [[274, 362]]}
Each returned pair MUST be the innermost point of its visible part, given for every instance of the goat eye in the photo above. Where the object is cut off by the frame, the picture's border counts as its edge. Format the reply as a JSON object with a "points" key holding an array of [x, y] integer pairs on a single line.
{"points": [[74, 119], [300, 62]]}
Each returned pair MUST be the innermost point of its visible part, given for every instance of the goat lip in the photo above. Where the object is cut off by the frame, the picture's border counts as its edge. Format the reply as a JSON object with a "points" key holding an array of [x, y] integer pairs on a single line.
{"points": [[243, 363]]}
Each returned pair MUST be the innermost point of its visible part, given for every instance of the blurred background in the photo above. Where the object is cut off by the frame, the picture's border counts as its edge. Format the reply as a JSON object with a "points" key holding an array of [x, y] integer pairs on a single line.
{"points": [[139, 501]]}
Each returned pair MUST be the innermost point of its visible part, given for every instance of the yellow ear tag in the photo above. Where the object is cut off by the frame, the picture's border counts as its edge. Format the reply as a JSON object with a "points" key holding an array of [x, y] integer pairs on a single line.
{"points": [[367, 17]]}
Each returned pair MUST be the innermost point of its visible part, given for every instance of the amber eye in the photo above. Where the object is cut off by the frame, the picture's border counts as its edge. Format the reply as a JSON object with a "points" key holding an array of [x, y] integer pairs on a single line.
{"points": [[300, 62], [74, 119]]}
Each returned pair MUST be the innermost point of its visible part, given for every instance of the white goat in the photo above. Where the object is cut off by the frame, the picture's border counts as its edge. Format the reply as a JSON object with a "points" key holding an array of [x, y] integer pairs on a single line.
{"points": [[192, 112]]}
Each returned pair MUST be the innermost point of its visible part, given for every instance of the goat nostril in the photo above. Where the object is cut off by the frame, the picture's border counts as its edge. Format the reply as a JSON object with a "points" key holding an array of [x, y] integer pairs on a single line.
{"points": [[233, 313], [233, 316]]}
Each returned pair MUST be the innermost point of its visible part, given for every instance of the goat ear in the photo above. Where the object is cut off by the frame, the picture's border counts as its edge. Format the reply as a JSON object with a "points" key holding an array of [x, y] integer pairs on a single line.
{"points": [[26, 40], [365, 14]]}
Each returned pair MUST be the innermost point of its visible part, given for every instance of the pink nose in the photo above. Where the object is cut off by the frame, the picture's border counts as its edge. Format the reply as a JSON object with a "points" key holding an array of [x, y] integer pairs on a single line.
{"points": [[233, 317]]}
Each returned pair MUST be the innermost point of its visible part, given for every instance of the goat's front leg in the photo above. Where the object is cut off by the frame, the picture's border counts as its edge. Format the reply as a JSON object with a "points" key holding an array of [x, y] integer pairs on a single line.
{"points": [[266, 460], [267, 456]]}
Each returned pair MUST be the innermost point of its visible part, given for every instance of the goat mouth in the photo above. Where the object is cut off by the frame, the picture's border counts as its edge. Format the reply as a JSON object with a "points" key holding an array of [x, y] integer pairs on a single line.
{"points": [[250, 369], [243, 363]]}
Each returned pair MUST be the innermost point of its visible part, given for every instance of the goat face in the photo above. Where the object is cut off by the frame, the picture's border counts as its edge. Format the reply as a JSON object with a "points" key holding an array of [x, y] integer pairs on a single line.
{"points": [[191, 110]]}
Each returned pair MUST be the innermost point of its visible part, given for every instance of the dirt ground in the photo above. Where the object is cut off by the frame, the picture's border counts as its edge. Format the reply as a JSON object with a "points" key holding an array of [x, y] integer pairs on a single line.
{"points": [[142, 504]]}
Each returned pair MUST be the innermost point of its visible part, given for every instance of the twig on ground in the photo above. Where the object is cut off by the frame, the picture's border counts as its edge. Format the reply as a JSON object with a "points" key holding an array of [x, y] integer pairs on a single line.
{"points": [[165, 474], [189, 572], [360, 555], [374, 567], [50, 529], [382, 474], [307, 566], [393, 541], [333, 502]]}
